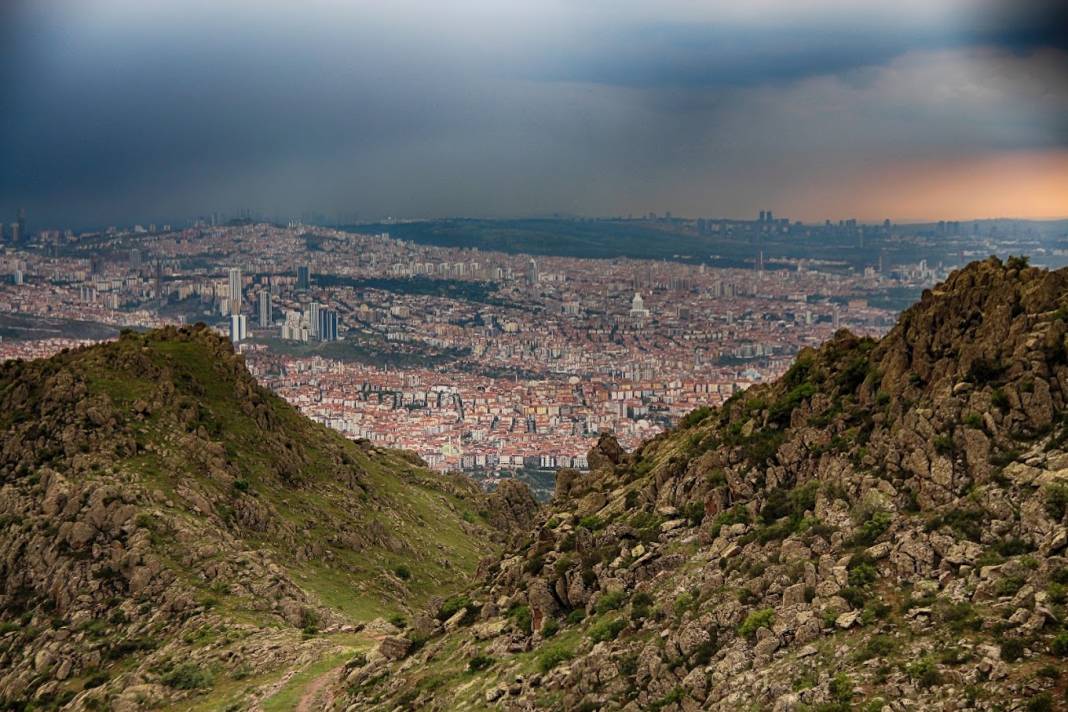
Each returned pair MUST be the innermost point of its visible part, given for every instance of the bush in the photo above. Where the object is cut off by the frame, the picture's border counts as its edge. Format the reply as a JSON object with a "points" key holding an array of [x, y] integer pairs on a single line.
{"points": [[960, 616], [878, 646], [520, 617], [1057, 501], [607, 630], [755, 620], [553, 656], [694, 417], [684, 602], [1042, 702], [640, 604], [1059, 646], [479, 663], [1012, 649], [591, 522], [968, 523], [187, 677], [943, 444], [862, 574], [533, 566], [451, 605], [695, 512], [872, 528], [841, 687], [550, 627], [609, 601], [576, 616], [403, 572], [924, 673], [1009, 585]]}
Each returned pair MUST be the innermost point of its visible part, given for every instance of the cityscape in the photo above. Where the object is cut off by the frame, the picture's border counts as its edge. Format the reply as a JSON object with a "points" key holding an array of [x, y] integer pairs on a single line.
{"points": [[497, 364], [534, 356]]}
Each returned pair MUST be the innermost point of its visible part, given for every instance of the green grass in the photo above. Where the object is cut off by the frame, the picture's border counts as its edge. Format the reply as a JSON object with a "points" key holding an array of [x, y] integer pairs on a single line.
{"points": [[287, 698]]}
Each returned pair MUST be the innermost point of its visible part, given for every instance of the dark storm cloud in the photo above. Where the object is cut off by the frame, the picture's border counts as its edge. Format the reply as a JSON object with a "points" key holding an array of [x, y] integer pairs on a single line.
{"points": [[119, 111]]}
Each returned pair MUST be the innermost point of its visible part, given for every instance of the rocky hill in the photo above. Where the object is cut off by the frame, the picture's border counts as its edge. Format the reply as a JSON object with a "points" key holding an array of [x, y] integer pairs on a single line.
{"points": [[884, 528], [172, 534]]}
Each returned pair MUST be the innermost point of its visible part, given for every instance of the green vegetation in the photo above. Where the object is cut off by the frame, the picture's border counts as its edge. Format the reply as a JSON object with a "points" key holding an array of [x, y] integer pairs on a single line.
{"points": [[552, 656], [610, 601], [924, 672], [694, 417], [755, 620], [520, 617], [607, 629], [1057, 500], [872, 528], [187, 676]]}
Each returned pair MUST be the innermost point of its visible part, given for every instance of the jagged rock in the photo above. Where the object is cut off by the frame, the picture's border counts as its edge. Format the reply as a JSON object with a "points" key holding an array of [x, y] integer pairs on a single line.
{"points": [[511, 507], [606, 453], [394, 647]]}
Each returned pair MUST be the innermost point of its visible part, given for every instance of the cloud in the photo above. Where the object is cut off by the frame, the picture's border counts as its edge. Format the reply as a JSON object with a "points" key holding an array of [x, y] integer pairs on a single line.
{"points": [[127, 110]]}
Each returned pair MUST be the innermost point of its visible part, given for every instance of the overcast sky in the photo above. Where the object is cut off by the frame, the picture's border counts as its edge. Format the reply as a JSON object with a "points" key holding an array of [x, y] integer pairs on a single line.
{"points": [[116, 111]]}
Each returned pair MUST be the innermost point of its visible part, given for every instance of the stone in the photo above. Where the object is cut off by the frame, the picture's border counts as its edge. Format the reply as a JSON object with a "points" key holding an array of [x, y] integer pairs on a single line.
{"points": [[394, 647]]}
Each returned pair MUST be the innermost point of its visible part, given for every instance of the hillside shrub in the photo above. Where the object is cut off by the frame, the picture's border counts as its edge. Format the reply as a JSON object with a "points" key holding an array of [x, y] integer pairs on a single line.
{"points": [[761, 618], [607, 630], [553, 656], [610, 601], [187, 676]]}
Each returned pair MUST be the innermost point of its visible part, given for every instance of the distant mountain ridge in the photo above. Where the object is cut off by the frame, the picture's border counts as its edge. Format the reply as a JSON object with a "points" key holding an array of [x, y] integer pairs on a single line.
{"points": [[884, 528]]}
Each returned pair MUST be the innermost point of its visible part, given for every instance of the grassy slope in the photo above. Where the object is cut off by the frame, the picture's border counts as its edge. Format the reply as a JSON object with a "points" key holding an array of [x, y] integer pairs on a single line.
{"points": [[405, 517]]}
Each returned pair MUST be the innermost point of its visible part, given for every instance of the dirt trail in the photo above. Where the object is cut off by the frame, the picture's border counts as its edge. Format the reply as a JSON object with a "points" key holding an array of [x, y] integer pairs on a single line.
{"points": [[318, 695]]}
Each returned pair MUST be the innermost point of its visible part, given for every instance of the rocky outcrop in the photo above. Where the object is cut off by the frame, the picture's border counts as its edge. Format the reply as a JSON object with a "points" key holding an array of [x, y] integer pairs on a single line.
{"points": [[882, 528], [511, 507]]}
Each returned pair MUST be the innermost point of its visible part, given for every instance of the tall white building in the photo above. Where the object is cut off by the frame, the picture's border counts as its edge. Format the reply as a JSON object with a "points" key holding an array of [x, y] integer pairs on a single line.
{"points": [[312, 317], [265, 308], [238, 327], [235, 290]]}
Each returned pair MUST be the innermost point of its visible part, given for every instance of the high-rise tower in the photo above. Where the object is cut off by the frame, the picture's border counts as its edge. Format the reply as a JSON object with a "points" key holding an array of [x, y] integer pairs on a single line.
{"points": [[235, 290]]}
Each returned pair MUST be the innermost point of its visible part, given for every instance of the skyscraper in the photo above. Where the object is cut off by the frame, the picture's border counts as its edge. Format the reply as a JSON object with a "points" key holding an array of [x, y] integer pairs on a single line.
{"points": [[327, 326], [532, 272], [22, 224], [238, 327], [265, 308], [303, 277], [159, 282], [313, 319], [16, 234], [235, 290]]}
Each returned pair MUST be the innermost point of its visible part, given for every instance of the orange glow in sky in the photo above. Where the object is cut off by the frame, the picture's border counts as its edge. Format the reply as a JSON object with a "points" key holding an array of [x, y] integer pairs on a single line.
{"points": [[1014, 185]]}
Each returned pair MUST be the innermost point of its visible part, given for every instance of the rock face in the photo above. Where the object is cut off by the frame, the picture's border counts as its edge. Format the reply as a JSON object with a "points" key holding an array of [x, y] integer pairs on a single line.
{"points": [[154, 499], [882, 528], [511, 507]]}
